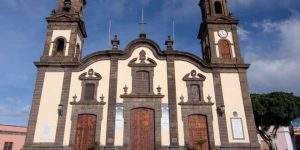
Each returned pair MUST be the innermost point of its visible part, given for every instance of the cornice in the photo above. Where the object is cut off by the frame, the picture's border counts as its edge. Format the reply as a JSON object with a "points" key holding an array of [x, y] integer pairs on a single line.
{"points": [[126, 53]]}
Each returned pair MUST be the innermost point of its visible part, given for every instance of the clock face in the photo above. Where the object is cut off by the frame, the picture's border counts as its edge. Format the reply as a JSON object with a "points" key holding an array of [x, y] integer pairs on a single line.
{"points": [[223, 34]]}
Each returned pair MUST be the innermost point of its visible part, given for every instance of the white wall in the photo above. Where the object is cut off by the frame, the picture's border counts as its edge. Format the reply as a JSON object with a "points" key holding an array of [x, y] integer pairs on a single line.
{"points": [[233, 101], [103, 68], [50, 99], [125, 78], [181, 69], [60, 33]]}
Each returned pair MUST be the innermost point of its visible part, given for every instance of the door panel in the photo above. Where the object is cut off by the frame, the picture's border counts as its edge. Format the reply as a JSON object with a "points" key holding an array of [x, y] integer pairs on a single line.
{"points": [[142, 129], [198, 132], [85, 132]]}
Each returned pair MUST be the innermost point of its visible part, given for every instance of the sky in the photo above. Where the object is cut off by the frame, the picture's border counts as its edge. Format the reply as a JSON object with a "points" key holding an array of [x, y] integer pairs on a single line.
{"points": [[269, 32]]}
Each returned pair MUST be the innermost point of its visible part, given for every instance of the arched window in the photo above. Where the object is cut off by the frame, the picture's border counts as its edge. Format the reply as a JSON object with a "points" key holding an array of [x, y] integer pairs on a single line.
{"points": [[224, 48], [218, 7], [59, 46]]}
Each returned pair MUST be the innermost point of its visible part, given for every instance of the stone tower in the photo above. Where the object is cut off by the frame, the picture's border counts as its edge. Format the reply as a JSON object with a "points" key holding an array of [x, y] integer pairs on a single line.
{"points": [[218, 33], [66, 32]]}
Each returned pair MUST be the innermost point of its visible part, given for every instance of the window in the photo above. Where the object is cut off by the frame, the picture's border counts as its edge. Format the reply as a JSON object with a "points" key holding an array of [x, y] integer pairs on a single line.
{"points": [[89, 91], [143, 82], [8, 146], [59, 46], [218, 7], [195, 92], [224, 48]]}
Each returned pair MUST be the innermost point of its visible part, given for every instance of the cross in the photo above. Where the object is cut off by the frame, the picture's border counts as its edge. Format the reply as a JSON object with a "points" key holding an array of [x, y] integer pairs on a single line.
{"points": [[142, 23]]}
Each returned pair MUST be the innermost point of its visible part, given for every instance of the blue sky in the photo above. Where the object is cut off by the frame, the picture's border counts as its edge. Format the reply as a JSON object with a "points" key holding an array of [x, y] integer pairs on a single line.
{"points": [[269, 34]]}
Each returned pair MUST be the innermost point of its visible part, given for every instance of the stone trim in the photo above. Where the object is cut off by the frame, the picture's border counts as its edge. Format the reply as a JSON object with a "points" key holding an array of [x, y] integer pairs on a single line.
{"points": [[219, 102], [193, 78], [89, 77], [60, 129], [142, 67], [172, 102], [248, 108], [35, 106], [112, 98]]}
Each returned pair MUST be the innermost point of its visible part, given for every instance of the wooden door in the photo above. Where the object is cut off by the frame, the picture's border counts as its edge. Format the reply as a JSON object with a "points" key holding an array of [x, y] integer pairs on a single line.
{"points": [[85, 132], [198, 132], [142, 129]]}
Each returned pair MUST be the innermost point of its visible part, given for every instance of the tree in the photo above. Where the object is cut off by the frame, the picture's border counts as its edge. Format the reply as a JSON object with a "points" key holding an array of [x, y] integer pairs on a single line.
{"points": [[272, 111]]}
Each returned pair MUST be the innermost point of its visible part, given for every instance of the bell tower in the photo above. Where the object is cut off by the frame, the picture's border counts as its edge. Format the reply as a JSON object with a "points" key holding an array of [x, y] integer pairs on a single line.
{"points": [[218, 33], [66, 33]]}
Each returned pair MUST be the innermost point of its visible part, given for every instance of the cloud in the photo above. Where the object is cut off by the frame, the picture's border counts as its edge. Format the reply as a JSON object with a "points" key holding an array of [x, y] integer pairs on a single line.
{"points": [[278, 69], [14, 112], [243, 34]]}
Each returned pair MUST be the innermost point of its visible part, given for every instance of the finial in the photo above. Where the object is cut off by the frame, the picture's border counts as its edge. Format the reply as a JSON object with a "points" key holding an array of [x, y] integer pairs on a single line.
{"points": [[67, 5], [115, 43], [169, 43], [91, 72], [158, 90], [74, 98], [53, 11], [125, 89], [142, 56], [181, 98], [209, 98], [143, 35], [102, 98]]}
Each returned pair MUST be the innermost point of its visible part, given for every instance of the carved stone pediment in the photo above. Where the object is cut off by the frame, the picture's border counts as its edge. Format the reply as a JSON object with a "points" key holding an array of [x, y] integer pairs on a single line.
{"points": [[193, 76], [144, 62], [90, 75]]}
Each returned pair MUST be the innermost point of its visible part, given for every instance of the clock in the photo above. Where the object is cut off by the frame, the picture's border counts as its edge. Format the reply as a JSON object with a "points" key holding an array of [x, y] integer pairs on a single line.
{"points": [[222, 34]]}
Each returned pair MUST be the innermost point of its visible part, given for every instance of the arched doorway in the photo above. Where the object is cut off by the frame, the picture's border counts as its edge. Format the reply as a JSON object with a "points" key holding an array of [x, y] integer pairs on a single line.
{"points": [[198, 132], [142, 136], [85, 132]]}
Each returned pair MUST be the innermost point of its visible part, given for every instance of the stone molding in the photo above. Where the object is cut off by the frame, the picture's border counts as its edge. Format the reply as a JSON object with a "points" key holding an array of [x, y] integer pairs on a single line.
{"points": [[61, 121], [35, 106], [112, 101]]}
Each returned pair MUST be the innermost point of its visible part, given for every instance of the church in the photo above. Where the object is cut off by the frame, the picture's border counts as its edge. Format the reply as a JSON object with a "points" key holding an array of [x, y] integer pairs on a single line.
{"points": [[142, 97]]}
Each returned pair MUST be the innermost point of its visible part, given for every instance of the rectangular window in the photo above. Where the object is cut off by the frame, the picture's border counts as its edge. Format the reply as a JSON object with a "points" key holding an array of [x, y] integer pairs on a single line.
{"points": [[142, 82], [89, 91], [8, 146]]}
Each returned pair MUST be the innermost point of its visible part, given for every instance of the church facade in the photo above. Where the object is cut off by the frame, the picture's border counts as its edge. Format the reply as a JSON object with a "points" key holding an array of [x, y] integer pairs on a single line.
{"points": [[142, 97]]}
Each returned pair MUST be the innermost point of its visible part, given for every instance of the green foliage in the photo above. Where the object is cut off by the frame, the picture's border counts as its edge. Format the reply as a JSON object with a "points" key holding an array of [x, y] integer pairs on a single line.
{"points": [[274, 110]]}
